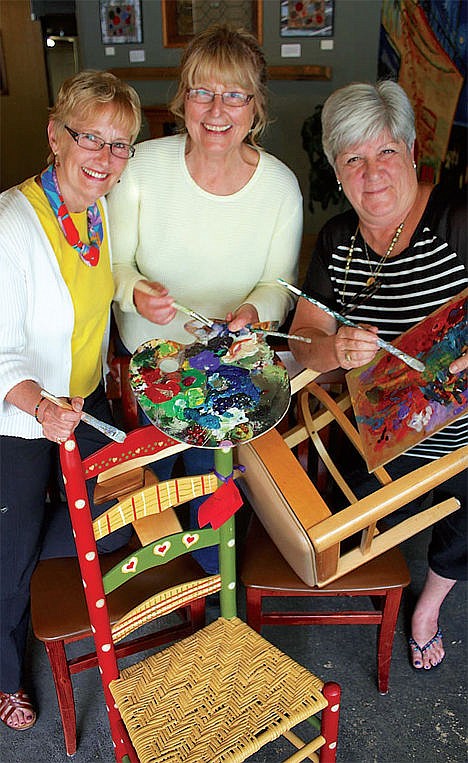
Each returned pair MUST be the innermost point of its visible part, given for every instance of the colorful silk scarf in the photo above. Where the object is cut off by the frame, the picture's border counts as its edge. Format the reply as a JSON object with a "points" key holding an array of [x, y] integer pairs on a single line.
{"points": [[89, 253]]}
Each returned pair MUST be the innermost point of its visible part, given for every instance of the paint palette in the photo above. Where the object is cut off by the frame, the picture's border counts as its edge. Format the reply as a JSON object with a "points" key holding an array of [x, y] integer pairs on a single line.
{"points": [[397, 407], [224, 389]]}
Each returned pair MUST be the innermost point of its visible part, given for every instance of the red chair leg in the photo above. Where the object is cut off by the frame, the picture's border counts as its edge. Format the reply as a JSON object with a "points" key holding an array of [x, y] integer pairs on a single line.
{"points": [[253, 603], [64, 688], [387, 627], [198, 614], [330, 722]]}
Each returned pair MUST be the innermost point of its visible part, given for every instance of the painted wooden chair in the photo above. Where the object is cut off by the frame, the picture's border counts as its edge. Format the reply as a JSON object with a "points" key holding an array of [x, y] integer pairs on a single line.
{"points": [[58, 605], [290, 506], [223, 692], [300, 548]]}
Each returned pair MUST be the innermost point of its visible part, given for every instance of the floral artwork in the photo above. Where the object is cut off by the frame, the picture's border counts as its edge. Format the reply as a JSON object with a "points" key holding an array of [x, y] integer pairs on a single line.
{"points": [[120, 22], [397, 407], [222, 390], [311, 18]]}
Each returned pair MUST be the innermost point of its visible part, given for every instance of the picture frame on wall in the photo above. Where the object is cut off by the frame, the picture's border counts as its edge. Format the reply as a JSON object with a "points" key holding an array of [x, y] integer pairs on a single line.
{"points": [[307, 18], [120, 21], [182, 19]]}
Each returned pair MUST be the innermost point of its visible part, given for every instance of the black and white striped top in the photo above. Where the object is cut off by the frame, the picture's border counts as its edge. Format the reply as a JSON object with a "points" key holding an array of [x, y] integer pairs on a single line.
{"points": [[431, 270]]}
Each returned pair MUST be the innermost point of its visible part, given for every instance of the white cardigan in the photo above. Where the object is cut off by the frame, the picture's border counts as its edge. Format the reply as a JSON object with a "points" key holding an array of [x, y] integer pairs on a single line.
{"points": [[36, 309]]}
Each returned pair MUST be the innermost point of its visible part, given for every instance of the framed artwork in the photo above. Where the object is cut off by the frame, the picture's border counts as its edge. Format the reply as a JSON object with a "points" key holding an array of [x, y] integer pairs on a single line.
{"points": [[306, 18], [120, 22], [397, 407], [182, 19], [3, 79]]}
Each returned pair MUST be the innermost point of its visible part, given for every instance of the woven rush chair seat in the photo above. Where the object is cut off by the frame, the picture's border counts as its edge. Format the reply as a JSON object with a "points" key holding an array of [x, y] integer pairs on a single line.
{"points": [[232, 690]]}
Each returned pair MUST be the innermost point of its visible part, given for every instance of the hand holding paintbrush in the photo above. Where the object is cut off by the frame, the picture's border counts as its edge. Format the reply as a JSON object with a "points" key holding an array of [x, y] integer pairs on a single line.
{"points": [[414, 363], [102, 426]]}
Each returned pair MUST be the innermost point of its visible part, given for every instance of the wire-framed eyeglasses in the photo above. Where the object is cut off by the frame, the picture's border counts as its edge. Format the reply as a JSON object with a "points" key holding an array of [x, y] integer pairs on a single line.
{"points": [[93, 143], [230, 98]]}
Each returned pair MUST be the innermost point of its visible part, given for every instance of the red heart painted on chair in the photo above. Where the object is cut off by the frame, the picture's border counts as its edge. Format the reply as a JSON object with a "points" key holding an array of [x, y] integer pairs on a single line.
{"points": [[189, 539], [162, 549], [131, 565]]}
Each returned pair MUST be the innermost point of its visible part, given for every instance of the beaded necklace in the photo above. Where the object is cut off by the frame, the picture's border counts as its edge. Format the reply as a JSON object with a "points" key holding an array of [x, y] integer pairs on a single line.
{"points": [[89, 253], [372, 283]]}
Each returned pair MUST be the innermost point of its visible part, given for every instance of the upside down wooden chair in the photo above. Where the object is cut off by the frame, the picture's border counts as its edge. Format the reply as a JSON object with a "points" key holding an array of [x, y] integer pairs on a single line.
{"points": [[301, 549], [58, 606], [223, 692]]}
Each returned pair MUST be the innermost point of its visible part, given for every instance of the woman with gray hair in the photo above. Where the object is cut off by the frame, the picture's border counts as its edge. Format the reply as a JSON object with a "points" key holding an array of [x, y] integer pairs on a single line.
{"points": [[388, 262]]}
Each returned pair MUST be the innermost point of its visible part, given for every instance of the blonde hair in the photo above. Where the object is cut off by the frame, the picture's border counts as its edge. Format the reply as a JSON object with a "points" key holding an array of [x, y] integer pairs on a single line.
{"points": [[230, 56], [90, 90]]}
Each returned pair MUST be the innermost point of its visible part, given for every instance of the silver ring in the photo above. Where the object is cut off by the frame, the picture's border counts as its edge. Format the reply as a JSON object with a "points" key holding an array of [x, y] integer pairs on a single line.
{"points": [[59, 440], [347, 357]]}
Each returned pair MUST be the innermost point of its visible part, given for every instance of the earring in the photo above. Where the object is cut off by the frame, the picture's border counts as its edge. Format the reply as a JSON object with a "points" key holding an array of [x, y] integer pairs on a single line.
{"points": [[340, 188], [56, 160], [414, 165]]}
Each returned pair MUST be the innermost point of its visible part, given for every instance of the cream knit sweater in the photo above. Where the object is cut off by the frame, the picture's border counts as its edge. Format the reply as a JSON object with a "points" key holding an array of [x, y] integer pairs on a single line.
{"points": [[212, 253]]}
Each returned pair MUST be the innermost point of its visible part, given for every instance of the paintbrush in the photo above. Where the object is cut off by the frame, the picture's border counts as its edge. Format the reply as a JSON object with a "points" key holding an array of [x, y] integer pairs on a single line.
{"points": [[414, 363], [297, 337], [196, 316], [102, 426], [147, 289]]}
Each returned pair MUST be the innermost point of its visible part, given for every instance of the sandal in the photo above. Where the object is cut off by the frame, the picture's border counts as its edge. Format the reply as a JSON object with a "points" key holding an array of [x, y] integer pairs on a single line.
{"points": [[11, 702], [415, 647]]}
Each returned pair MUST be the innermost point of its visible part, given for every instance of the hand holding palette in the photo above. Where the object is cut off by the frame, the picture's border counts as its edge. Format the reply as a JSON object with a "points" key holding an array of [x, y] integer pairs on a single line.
{"points": [[225, 388]]}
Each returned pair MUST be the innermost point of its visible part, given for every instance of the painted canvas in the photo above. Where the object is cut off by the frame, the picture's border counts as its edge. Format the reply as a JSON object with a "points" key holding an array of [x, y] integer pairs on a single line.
{"points": [[224, 389], [397, 407]]}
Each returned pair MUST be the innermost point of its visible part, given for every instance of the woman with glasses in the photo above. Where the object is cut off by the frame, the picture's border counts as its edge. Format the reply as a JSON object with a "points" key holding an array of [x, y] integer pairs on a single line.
{"points": [[205, 217], [56, 290], [391, 260]]}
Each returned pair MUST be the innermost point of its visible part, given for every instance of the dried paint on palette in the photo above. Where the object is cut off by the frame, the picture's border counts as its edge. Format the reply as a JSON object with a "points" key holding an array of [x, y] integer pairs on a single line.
{"points": [[397, 407], [225, 388]]}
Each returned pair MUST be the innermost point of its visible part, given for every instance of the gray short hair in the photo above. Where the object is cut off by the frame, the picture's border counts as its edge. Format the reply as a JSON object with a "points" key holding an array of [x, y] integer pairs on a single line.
{"points": [[359, 112]]}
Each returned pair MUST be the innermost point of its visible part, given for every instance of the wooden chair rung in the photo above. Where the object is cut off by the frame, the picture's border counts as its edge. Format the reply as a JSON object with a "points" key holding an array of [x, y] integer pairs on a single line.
{"points": [[391, 538]]}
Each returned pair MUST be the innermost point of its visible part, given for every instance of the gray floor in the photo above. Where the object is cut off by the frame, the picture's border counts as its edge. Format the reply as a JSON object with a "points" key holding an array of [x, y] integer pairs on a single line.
{"points": [[422, 718]]}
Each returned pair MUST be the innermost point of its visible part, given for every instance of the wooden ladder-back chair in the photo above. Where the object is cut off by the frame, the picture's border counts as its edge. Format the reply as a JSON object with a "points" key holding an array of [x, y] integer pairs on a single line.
{"points": [[297, 549], [58, 606], [223, 692]]}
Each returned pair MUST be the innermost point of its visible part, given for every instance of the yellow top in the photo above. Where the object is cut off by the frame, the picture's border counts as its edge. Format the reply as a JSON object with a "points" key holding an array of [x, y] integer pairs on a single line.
{"points": [[91, 290]]}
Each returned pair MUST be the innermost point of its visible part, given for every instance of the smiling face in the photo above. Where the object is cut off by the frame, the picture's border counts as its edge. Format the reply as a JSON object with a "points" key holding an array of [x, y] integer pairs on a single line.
{"points": [[84, 175], [215, 127], [378, 179]]}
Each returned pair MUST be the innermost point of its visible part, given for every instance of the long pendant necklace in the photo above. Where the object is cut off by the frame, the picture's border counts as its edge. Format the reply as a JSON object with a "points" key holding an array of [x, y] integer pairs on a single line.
{"points": [[375, 273], [89, 253], [372, 282]]}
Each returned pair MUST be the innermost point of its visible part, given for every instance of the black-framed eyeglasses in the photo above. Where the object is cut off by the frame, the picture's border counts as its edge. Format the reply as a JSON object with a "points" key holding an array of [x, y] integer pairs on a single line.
{"points": [[93, 143], [200, 95]]}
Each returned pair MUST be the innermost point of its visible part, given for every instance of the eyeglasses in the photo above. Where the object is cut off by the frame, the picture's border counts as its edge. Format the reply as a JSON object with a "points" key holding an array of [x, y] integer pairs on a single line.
{"points": [[93, 143], [200, 95]]}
